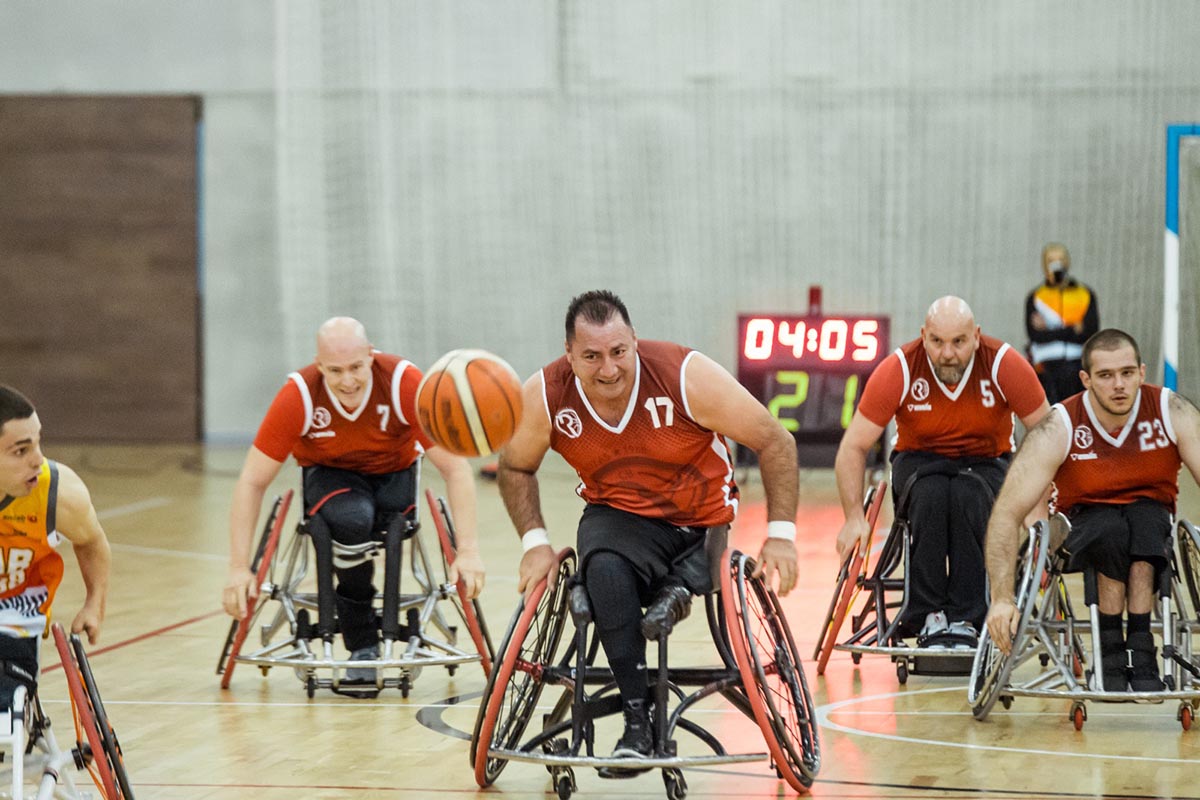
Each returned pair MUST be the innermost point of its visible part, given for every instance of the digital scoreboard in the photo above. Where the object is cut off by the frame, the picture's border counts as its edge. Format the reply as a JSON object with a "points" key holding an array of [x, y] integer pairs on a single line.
{"points": [[809, 371]]}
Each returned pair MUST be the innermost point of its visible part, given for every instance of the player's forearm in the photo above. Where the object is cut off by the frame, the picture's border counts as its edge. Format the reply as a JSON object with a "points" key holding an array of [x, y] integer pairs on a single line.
{"points": [[780, 476], [460, 491], [247, 498], [522, 498], [1003, 535], [848, 469], [95, 561]]}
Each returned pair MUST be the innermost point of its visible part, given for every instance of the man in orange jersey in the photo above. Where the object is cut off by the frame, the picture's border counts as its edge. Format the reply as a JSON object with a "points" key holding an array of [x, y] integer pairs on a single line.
{"points": [[1113, 453], [41, 503], [1060, 315], [644, 424], [953, 393], [349, 419]]}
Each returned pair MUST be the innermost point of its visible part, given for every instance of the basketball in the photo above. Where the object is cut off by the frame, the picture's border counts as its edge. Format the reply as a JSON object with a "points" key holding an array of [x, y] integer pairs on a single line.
{"points": [[469, 402]]}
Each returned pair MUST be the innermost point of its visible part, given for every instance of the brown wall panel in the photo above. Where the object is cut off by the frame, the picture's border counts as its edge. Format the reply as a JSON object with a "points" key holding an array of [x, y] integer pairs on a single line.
{"points": [[98, 264]]}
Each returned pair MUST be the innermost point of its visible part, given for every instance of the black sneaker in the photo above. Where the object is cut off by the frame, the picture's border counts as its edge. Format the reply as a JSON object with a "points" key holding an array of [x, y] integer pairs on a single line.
{"points": [[1143, 664], [1115, 670], [638, 739], [672, 605]]}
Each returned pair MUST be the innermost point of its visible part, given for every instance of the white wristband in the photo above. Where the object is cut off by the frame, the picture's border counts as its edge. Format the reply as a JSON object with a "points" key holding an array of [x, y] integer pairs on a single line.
{"points": [[534, 537], [781, 529]]}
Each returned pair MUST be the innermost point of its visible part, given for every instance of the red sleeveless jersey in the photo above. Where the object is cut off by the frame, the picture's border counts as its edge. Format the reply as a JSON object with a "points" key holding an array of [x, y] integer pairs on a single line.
{"points": [[657, 462], [1138, 462], [378, 437], [972, 418]]}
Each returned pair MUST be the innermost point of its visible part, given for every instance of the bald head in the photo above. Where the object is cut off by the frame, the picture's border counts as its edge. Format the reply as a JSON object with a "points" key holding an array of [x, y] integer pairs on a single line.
{"points": [[951, 337], [340, 335], [344, 359], [950, 310]]}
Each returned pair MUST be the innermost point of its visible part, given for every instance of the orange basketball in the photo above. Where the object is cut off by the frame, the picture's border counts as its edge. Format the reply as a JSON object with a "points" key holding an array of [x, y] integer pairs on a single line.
{"points": [[469, 402]]}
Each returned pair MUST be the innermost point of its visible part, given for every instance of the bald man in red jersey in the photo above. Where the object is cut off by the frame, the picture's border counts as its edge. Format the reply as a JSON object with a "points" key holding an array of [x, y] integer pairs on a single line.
{"points": [[1113, 453], [953, 393], [349, 420]]}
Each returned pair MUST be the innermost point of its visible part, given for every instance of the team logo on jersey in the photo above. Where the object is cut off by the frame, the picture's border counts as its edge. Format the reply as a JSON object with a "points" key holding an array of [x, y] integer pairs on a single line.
{"points": [[1083, 437], [920, 389], [321, 417], [568, 423]]}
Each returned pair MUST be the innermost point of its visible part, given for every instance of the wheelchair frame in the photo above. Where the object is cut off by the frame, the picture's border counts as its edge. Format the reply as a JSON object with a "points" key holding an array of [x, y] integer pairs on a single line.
{"points": [[31, 749], [875, 624], [1048, 630], [745, 619], [287, 633]]}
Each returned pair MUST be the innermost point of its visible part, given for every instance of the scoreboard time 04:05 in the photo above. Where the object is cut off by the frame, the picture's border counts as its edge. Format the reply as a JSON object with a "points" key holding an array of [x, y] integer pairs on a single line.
{"points": [[809, 371]]}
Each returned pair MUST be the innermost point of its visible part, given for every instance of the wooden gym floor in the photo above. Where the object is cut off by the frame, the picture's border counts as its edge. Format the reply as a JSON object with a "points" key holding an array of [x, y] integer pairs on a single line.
{"points": [[165, 511]]}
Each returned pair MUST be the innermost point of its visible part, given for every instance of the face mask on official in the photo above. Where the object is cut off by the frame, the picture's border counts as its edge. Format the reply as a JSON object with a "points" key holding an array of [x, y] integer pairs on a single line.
{"points": [[1058, 272]]}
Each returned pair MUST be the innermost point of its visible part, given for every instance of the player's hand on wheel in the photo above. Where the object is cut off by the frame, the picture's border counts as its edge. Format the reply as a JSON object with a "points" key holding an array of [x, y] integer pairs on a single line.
{"points": [[537, 563], [778, 556], [240, 588], [1002, 620]]}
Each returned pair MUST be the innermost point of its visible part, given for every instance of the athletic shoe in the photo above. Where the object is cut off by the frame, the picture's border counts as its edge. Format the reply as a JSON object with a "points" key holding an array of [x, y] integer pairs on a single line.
{"points": [[362, 674]]}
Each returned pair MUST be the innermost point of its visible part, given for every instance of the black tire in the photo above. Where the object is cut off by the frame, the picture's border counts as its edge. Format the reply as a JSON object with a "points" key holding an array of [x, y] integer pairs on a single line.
{"points": [[515, 684], [991, 669], [772, 674]]}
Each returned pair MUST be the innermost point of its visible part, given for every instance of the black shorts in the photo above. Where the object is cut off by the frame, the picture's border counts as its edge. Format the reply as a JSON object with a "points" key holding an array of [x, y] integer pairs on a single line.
{"points": [[659, 552], [18, 666], [1110, 538]]}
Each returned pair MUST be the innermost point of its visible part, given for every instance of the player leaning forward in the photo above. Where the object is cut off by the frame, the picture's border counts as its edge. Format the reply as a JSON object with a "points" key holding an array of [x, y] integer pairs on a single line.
{"points": [[644, 424], [1113, 454]]}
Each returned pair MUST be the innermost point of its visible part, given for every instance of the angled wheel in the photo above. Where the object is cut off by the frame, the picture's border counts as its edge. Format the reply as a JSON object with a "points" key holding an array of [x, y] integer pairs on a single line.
{"points": [[470, 610], [261, 567], [991, 668], [514, 686], [95, 739], [1189, 562], [771, 673], [850, 577]]}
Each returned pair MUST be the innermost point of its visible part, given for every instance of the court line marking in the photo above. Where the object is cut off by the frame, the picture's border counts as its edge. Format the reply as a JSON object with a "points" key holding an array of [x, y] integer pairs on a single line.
{"points": [[134, 508], [823, 712]]}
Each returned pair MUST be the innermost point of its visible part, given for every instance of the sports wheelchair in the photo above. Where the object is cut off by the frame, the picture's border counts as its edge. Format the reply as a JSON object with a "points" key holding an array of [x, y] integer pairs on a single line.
{"points": [[1050, 635], [761, 675], [291, 638], [29, 752], [875, 624]]}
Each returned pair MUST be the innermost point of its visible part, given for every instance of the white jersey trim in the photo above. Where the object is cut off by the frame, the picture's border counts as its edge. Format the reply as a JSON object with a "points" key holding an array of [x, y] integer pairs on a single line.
{"points": [[633, 397], [305, 398], [683, 383], [1060, 411], [397, 373], [718, 446], [962, 382], [899, 354], [1125, 429], [366, 400], [545, 399], [1165, 413], [1004, 348]]}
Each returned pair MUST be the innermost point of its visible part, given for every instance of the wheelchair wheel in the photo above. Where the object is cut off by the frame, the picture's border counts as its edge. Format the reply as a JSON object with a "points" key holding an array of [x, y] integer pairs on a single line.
{"points": [[1189, 562], [239, 629], [771, 673], [991, 669], [94, 737], [850, 578], [515, 684], [471, 611]]}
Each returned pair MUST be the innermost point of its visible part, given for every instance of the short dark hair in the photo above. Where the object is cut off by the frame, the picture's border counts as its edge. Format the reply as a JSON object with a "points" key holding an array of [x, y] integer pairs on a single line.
{"points": [[13, 405], [1108, 339], [598, 307]]}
